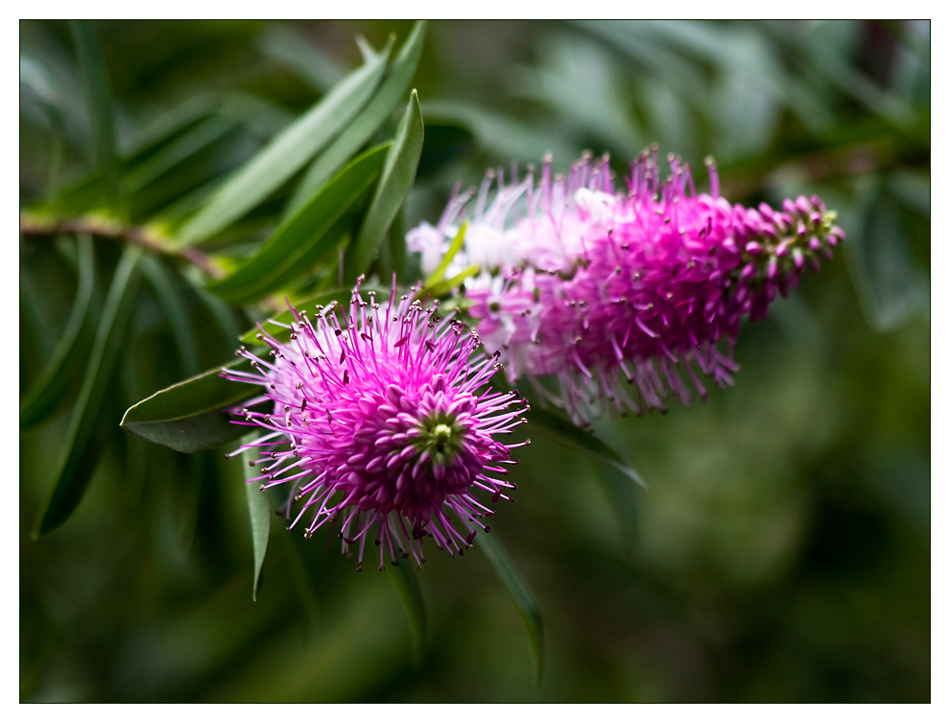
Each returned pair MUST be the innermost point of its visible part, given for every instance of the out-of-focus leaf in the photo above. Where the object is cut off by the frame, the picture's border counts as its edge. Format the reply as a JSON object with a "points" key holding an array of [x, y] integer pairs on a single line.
{"points": [[168, 199], [99, 101], [288, 46], [634, 38], [45, 88], [912, 189], [580, 81], [163, 283], [366, 48], [41, 82], [83, 194], [187, 416], [286, 153], [74, 469], [520, 594], [32, 307], [503, 136], [258, 508], [167, 127], [399, 171], [178, 150], [299, 242], [889, 285], [561, 430], [410, 594], [823, 49], [363, 127], [749, 82], [47, 393]]}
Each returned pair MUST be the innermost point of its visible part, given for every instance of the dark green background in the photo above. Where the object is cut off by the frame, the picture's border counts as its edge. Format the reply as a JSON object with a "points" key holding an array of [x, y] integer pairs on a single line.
{"points": [[782, 552]]}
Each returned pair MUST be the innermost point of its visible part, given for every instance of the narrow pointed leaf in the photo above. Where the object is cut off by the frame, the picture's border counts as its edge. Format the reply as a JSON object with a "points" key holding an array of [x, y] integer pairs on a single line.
{"points": [[399, 171], [561, 430], [36, 335], [286, 153], [169, 297], [454, 248], [407, 587], [301, 241], [366, 48], [99, 100], [290, 46], [446, 285], [190, 143], [397, 243], [520, 595], [84, 193], [47, 393], [258, 508], [187, 416], [74, 468], [359, 132]]}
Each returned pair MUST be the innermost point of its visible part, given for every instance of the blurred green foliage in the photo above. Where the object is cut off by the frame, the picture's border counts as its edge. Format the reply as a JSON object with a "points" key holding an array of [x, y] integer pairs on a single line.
{"points": [[782, 551]]}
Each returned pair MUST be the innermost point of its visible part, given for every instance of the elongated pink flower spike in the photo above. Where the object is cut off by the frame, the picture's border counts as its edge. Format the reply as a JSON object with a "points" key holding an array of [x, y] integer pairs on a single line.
{"points": [[597, 287], [382, 422]]}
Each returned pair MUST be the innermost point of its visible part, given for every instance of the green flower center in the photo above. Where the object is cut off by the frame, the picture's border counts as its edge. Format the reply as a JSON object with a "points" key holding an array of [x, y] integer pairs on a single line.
{"points": [[441, 436]]}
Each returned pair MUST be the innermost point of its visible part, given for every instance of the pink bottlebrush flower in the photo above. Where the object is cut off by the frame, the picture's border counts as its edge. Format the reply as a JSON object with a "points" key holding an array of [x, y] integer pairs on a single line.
{"points": [[381, 420], [596, 286]]}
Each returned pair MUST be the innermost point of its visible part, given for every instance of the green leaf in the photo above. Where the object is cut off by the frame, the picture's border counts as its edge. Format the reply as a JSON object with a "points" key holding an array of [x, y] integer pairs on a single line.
{"points": [[290, 46], [439, 272], [399, 171], [194, 140], [446, 285], [99, 100], [169, 296], [286, 153], [397, 243], [187, 416], [83, 194], [358, 133], [35, 77], [75, 464], [34, 305], [407, 587], [562, 431], [258, 508], [302, 240], [520, 595], [47, 393], [501, 135]]}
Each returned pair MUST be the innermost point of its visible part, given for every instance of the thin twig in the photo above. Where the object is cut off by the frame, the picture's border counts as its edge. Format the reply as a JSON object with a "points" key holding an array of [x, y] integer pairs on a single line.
{"points": [[109, 228]]}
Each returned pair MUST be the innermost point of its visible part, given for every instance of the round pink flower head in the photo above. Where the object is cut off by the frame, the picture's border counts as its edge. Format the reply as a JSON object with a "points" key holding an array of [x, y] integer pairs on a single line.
{"points": [[382, 422], [625, 296]]}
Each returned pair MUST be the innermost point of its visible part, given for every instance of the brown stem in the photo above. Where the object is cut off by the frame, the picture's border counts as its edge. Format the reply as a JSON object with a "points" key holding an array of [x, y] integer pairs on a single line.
{"points": [[108, 228]]}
